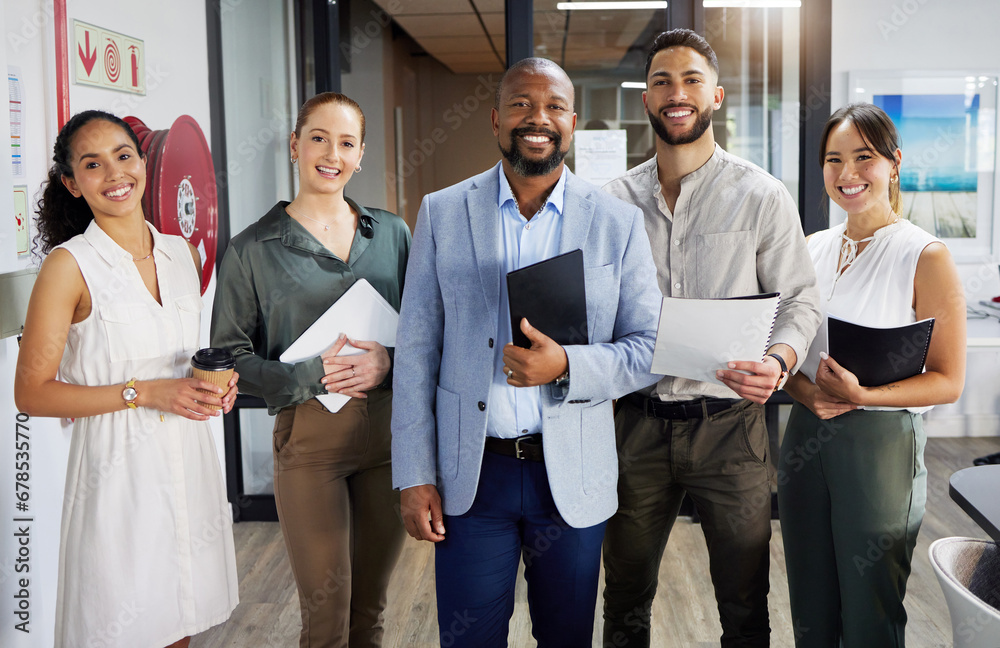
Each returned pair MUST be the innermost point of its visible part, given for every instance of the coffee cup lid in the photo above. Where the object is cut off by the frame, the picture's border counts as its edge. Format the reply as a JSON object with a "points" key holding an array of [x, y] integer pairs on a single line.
{"points": [[212, 359]]}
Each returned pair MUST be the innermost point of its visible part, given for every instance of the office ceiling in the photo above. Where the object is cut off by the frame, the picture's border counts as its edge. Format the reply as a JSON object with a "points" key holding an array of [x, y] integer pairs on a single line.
{"points": [[467, 36]]}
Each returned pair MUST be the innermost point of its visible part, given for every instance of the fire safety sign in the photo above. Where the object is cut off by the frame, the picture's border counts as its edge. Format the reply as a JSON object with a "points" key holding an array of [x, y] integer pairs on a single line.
{"points": [[108, 59]]}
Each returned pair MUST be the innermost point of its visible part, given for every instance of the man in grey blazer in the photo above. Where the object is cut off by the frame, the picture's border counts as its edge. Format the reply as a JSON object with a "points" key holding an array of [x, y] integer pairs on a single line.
{"points": [[499, 451]]}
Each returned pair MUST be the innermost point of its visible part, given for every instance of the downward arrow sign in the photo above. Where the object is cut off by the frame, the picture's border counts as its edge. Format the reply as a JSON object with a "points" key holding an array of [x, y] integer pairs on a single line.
{"points": [[88, 59]]}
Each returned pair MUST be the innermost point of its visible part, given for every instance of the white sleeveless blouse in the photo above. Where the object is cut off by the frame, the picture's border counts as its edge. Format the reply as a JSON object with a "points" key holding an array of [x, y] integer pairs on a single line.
{"points": [[146, 551], [876, 290]]}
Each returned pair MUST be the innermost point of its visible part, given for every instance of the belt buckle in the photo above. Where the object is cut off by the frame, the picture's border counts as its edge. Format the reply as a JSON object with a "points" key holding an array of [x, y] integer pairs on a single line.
{"points": [[518, 452]]}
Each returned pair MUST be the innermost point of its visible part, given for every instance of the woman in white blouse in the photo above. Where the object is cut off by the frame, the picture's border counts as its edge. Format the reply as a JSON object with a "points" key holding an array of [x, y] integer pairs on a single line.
{"points": [[852, 482]]}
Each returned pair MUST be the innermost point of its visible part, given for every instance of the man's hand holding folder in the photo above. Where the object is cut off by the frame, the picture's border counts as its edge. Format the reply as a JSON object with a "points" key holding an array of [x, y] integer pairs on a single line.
{"points": [[553, 294], [540, 364]]}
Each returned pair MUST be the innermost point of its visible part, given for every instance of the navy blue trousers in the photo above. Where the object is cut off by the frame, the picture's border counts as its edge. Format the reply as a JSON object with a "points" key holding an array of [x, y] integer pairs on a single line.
{"points": [[514, 517]]}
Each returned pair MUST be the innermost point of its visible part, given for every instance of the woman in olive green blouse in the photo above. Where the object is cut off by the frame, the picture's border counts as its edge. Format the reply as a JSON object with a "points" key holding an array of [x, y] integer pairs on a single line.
{"points": [[332, 476]]}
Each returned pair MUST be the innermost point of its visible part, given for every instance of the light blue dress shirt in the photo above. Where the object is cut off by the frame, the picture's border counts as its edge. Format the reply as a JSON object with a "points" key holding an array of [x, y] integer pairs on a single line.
{"points": [[515, 411]]}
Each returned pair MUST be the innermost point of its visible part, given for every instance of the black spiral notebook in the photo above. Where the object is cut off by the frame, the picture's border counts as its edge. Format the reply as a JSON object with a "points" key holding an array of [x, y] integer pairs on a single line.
{"points": [[878, 356], [553, 296]]}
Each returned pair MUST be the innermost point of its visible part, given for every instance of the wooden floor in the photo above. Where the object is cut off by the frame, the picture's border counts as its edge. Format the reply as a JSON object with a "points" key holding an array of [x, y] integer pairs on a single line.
{"points": [[684, 613], [946, 214]]}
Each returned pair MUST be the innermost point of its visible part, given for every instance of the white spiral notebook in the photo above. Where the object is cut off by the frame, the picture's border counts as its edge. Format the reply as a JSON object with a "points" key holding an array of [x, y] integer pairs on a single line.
{"points": [[697, 337], [361, 313]]}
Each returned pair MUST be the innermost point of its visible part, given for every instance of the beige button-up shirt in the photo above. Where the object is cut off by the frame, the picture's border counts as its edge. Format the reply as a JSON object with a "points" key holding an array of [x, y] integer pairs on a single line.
{"points": [[734, 231]]}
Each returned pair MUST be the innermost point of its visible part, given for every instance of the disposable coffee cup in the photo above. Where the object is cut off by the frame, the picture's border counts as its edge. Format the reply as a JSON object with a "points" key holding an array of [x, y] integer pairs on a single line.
{"points": [[215, 366]]}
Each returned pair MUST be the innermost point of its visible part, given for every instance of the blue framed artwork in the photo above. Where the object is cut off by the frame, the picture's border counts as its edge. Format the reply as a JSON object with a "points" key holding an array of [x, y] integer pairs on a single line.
{"points": [[947, 124]]}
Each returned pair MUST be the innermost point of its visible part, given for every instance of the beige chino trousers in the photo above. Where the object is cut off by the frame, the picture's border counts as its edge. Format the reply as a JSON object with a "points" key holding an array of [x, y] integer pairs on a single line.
{"points": [[339, 516]]}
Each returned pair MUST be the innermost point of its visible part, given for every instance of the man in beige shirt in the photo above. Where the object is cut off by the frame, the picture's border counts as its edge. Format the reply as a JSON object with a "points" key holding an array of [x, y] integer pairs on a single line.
{"points": [[719, 227]]}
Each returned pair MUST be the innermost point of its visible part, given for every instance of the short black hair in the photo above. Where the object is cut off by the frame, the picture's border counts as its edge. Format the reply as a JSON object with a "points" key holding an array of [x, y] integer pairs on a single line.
{"points": [[683, 38], [534, 63]]}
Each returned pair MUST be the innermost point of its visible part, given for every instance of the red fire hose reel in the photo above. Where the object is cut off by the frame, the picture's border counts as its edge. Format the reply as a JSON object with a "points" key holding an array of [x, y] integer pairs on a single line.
{"points": [[180, 195]]}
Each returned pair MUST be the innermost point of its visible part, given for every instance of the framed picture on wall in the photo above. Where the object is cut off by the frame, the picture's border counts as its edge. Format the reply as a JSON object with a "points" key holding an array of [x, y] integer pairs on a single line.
{"points": [[947, 123]]}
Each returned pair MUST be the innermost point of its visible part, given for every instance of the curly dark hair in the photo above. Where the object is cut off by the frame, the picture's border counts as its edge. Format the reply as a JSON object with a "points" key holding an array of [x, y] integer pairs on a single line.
{"points": [[60, 215]]}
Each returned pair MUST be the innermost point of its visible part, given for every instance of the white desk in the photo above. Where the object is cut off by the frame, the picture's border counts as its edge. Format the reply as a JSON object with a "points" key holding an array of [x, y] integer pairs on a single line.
{"points": [[983, 333]]}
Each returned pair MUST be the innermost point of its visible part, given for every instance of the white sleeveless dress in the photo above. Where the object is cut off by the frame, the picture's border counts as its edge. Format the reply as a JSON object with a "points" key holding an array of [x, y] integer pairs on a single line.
{"points": [[876, 290], [146, 551]]}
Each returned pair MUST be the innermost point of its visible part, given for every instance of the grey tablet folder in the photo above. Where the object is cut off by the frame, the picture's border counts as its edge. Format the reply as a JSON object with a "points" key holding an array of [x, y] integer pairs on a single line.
{"points": [[879, 356], [553, 296]]}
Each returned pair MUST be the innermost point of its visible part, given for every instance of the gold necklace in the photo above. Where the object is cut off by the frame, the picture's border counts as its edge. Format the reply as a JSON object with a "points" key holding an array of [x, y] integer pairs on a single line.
{"points": [[326, 227], [147, 256]]}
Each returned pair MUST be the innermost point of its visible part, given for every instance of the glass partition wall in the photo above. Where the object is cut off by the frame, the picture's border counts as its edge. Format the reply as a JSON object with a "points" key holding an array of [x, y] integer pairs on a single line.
{"points": [[605, 52], [425, 71]]}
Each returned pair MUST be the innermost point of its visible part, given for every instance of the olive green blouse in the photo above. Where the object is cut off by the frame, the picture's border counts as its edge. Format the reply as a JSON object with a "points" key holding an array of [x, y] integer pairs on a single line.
{"points": [[276, 279]]}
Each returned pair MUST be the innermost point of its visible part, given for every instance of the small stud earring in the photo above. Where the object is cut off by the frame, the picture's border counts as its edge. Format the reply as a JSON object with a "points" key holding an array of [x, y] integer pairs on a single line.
{"points": [[294, 160]]}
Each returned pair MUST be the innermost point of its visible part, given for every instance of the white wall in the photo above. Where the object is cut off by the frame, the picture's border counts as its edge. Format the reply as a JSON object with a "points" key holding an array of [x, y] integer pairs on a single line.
{"points": [[177, 83], [927, 35], [912, 35]]}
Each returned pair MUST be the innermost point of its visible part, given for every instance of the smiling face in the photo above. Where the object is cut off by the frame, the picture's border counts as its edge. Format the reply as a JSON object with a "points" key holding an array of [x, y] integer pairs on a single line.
{"points": [[682, 93], [535, 120], [855, 176], [328, 148], [107, 170]]}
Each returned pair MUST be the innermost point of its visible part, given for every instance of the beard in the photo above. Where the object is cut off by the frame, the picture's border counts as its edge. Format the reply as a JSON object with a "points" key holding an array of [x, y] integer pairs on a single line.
{"points": [[529, 168], [701, 124]]}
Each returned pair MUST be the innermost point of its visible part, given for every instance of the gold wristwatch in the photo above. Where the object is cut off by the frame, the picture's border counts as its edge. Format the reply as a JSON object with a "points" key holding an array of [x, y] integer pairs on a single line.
{"points": [[130, 394]]}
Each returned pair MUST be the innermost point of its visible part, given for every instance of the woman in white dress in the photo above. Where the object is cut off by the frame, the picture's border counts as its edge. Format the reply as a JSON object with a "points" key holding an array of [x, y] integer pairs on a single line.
{"points": [[852, 483], [146, 554]]}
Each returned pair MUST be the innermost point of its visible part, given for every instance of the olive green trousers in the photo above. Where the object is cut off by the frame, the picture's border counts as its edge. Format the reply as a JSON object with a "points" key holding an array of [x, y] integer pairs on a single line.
{"points": [[851, 496]]}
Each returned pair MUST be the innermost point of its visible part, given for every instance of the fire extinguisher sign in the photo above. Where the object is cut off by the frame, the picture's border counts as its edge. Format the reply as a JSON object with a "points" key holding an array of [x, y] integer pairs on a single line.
{"points": [[107, 59]]}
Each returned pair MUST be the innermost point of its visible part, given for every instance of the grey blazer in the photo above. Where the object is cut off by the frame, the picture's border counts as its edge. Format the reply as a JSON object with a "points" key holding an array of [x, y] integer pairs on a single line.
{"points": [[448, 328]]}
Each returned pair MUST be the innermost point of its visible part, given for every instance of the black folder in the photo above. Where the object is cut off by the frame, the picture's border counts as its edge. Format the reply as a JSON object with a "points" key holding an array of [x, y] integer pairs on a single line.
{"points": [[553, 296], [879, 356]]}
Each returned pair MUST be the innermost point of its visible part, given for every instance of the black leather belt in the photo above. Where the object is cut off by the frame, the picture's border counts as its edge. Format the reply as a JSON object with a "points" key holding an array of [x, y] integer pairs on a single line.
{"points": [[527, 447], [691, 409]]}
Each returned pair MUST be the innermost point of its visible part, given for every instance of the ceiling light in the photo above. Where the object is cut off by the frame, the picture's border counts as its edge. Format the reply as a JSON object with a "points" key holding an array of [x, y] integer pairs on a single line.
{"points": [[611, 6], [753, 4], [638, 85]]}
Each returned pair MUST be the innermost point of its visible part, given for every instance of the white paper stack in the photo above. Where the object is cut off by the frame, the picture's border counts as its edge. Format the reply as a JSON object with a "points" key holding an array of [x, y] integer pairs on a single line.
{"points": [[697, 337], [361, 313]]}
